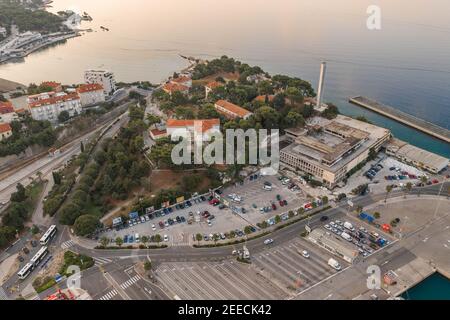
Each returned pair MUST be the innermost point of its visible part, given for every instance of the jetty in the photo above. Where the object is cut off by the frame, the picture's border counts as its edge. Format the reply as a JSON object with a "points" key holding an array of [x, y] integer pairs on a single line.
{"points": [[402, 117]]}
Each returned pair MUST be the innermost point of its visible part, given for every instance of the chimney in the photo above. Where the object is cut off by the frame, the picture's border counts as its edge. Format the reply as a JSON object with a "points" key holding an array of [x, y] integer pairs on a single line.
{"points": [[323, 69]]}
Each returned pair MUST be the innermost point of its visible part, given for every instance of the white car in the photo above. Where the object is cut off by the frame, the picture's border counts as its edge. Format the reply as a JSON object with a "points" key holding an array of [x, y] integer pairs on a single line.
{"points": [[305, 254], [166, 238], [234, 252], [268, 241], [153, 227], [327, 226], [332, 224], [209, 223]]}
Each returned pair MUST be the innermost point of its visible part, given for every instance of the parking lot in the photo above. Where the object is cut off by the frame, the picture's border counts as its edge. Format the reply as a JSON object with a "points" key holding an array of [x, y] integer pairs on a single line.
{"points": [[365, 238], [275, 273], [178, 226], [256, 197]]}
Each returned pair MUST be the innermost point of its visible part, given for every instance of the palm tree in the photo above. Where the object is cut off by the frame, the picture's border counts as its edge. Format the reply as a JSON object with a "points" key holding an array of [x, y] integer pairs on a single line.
{"points": [[215, 238], [408, 188], [424, 180], [39, 175], [104, 241], [144, 240], [389, 189], [158, 238], [199, 238]]}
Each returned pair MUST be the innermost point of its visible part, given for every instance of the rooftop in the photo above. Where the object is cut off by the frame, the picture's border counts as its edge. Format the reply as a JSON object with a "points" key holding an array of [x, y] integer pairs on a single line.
{"points": [[327, 142], [54, 99], [403, 149], [181, 79], [214, 84], [333, 241], [6, 107], [89, 88], [5, 127], [173, 87], [51, 84], [239, 111], [206, 124]]}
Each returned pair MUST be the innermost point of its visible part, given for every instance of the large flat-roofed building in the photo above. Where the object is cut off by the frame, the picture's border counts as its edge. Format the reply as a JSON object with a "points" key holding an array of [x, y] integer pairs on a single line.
{"points": [[334, 244], [329, 149], [415, 156]]}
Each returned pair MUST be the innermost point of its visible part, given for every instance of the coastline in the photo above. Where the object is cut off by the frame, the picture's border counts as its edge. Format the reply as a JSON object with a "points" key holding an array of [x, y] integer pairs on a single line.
{"points": [[7, 85]]}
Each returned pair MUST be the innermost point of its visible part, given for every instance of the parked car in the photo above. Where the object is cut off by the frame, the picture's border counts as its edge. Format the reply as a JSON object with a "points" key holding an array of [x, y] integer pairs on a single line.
{"points": [[305, 254], [268, 241], [166, 238], [323, 218], [153, 227]]}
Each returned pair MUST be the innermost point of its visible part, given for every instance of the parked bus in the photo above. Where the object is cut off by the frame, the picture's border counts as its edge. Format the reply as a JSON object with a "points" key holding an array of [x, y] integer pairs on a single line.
{"points": [[25, 272], [48, 235], [39, 256]]}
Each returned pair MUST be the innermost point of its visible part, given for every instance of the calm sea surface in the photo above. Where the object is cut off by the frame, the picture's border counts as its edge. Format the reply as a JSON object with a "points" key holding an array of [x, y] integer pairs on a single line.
{"points": [[406, 64], [435, 287]]}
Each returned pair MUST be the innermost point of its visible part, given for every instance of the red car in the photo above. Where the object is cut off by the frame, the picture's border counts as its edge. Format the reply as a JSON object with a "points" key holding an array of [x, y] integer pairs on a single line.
{"points": [[161, 225], [214, 202], [274, 207], [435, 181], [281, 203]]}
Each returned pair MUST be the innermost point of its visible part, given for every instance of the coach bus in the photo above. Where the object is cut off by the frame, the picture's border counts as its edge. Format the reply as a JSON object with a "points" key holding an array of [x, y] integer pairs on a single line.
{"points": [[48, 235], [25, 272], [39, 256]]}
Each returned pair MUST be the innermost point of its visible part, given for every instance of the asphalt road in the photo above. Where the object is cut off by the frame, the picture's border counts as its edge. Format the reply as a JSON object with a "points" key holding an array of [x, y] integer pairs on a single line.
{"points": [[256, 245]]}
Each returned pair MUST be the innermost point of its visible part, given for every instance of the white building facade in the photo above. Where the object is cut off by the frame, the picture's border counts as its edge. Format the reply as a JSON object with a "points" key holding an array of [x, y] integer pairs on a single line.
{"points": [[91, 94], [50, 105], [102, 77]]}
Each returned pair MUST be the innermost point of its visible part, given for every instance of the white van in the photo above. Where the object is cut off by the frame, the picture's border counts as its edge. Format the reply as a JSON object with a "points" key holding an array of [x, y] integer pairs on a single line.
{"points": [[349, 226], [333, 263], [136, 238], [267, 188], [346, 236]]}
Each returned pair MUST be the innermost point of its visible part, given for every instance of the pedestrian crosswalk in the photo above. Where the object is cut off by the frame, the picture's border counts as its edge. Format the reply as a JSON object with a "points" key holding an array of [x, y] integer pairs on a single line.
{"points": [[109, 295], [130, 282], [67, 244], [101, 261], [3, 295]]}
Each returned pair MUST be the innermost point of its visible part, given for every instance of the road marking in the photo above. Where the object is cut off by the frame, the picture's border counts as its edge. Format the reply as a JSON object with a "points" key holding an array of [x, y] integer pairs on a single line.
{"points": [[109, 295], [67, 244], [130, 282], [101, 261]]}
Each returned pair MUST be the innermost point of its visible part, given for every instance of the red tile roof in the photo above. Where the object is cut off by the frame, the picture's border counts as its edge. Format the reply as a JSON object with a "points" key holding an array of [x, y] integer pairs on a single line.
{"points": [[6, 107], [156, 132], [206, 123], [262, 98], [214, 84], [55, 99], [51, 84], [181, 79], [238, 111], [89, 88], [173, 87], [5, 127]]}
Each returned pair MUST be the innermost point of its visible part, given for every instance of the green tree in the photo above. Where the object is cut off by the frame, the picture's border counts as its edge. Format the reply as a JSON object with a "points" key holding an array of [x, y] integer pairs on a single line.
{"points": [[247, 230], [377, 215], [63, 116], [56, 177], [389, 189], [35, 229], [86, 225], [20, 194], [408, 188], [81, 146], [148, 266], [144, 240], [198, 237], [119, 241], [158, 238], [277, 219], [325, 200], [104, 241]]}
